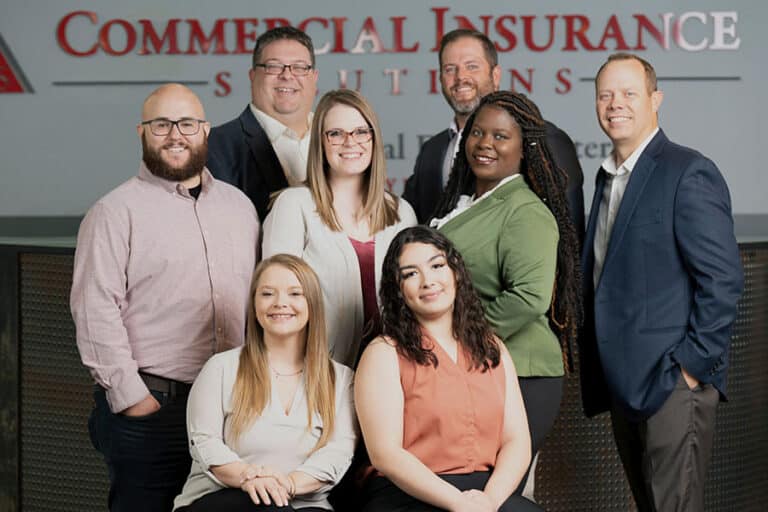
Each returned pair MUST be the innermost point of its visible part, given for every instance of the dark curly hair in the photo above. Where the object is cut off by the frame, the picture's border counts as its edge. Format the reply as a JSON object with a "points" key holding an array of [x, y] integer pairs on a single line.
{"points": [[470, 327], [547, 181]]}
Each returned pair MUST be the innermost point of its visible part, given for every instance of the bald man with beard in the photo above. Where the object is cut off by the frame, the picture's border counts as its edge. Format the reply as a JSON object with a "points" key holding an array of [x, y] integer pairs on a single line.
{"points": [[161, 276]]}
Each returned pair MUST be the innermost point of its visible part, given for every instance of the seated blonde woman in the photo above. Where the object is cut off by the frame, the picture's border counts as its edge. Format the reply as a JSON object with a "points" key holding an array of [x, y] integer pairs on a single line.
{"points": [[342, 221], [272, 424], [437, 396]]}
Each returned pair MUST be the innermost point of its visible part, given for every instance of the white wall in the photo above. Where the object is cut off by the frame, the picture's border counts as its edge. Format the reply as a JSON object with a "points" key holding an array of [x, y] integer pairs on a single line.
{"points": [[64, 146]]}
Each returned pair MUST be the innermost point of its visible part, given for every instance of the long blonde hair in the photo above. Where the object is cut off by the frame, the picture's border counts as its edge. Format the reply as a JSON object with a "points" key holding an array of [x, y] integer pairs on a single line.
{"points": [[379, 207], [252, 389]]}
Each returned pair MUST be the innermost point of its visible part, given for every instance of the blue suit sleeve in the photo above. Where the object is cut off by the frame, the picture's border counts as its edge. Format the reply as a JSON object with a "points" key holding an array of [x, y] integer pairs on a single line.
{"points": [[703, 227]]}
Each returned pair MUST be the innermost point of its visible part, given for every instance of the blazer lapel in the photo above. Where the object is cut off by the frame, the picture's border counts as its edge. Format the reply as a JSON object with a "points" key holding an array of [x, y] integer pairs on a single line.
{"points": [[638, 180], [587, 252], [264, 161]]}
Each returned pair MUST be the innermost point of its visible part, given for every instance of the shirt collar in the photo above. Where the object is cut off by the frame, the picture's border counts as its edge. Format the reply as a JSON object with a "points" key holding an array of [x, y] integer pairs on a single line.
{"points": [[453, 128], [609, 164], [500, 184], [274, 128], [206, 180]]}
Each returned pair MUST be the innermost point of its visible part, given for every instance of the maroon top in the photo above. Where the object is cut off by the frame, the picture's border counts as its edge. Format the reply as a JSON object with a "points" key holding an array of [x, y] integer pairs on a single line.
{"points": [[366, 258]]}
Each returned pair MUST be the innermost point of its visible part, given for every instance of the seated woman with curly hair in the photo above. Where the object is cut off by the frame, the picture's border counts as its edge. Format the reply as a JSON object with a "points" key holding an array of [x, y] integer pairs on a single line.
{"points": [[437, 395]]}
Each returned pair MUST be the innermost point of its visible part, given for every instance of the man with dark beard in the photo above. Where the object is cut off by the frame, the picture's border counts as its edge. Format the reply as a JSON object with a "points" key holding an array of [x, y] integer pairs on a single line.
{"points": [[469, 70], [161, 276]]}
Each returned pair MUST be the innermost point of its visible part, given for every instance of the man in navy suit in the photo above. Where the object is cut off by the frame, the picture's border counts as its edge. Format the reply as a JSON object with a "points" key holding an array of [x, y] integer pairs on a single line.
{"points": [[662, 277], [265, 149], [468, 71]]}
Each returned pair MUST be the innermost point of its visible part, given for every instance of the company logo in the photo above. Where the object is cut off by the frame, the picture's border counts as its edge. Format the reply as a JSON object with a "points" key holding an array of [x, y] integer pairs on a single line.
{"points": [[12, 79]]}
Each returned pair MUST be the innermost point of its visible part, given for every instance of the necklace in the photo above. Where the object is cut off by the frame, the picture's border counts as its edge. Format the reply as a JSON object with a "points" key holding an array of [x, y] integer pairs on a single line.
{"points": [[290, 374]]}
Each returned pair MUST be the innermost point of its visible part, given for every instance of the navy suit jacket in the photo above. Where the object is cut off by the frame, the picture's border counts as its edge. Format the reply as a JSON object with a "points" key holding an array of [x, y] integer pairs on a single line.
{"points": [[669, 286], [424, 186], [239, 152]]}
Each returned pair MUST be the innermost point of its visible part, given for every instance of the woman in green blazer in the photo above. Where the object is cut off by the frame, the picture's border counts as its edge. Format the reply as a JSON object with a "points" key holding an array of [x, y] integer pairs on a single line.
{"points": [[505, 209]]}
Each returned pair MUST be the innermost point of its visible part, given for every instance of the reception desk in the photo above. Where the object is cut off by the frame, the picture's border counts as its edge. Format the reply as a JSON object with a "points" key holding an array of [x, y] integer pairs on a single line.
{"points": [[48, 464]]}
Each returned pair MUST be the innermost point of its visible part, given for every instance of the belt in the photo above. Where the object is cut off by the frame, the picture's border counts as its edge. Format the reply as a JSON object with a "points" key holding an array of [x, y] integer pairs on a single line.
{"points": [[163, 385]]}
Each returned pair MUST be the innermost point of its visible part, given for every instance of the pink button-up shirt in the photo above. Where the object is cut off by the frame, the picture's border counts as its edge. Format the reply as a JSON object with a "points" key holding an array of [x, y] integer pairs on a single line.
{"points": [[161, 281]]}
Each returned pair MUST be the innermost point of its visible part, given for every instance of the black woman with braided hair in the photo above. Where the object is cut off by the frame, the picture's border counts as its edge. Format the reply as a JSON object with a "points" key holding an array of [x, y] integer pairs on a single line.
{"points": [[505, 210]]}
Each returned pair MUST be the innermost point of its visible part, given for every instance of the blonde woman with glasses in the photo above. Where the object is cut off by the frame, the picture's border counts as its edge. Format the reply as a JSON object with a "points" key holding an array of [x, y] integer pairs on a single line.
{"points": [[342, 221]]}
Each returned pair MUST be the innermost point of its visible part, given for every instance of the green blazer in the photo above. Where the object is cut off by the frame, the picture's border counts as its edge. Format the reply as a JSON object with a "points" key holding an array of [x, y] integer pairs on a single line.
{"points": [[509, 244]]}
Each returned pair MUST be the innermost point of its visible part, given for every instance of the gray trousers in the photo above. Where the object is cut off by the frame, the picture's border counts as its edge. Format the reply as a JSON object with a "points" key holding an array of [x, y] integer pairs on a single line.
{"points": [[666, 456]]}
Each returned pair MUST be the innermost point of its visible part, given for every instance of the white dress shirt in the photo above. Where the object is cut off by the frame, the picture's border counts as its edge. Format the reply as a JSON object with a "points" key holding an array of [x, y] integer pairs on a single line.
{"points": [[616, 180], [291, 149]]}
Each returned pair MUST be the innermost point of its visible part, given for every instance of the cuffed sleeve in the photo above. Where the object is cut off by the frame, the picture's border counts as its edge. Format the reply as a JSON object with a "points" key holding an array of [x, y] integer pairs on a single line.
{"points": [[329, 463], [98, 294], [205, 417]]}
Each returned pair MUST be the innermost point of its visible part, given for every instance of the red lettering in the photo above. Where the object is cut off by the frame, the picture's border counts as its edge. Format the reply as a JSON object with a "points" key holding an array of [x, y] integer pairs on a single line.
{"points": [[397, 28], [368, 34], [196, 35], [528, 33], [395, 74], [432, 81], [463, 22], [563, 76], [222, 79], [150, 37], [576, 26], [527, 84], [506, 33], [304, 24], [241, 36], [613, 31], [343, 79], [644, 23], [61, 33], [319, 50], [276, 22], [338, 35], [440, 25], [106, 43]]}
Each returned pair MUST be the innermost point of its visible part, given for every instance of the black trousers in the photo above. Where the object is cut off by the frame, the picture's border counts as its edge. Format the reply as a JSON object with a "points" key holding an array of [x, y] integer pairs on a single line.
{"points": [[236, 500], [381, 495], [666, 456], [147, 457], [541, 397]]}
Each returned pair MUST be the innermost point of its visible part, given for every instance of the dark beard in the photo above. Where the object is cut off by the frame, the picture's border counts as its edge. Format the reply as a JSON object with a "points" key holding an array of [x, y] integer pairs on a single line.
{"points": [[157, 166]]}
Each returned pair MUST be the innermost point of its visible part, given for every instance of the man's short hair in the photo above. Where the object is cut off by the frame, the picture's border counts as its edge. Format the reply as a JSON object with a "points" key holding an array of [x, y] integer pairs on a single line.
{"points": [[650, 74], [277, 34], [490, 49]]}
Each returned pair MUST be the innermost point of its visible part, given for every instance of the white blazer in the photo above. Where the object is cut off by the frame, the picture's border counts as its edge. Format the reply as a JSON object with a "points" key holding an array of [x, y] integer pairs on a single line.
{"points": [[293, 226]]}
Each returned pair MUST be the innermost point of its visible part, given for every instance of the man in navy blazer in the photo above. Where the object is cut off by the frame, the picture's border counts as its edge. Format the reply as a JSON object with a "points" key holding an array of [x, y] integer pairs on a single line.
{"points": [[265, 149], [468, 71], [662, 278]]}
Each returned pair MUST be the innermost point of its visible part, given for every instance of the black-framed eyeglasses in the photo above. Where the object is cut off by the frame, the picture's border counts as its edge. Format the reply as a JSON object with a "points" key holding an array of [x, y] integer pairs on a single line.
{"points": [[276, 68], [337, 136], [162, 126]]}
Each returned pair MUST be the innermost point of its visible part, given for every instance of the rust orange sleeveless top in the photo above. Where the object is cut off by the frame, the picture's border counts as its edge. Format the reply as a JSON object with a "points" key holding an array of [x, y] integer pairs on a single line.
{"points": [[453, 417]]}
